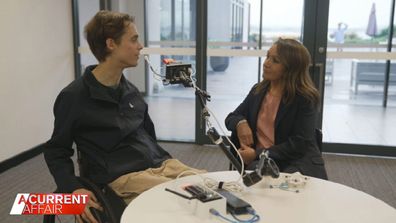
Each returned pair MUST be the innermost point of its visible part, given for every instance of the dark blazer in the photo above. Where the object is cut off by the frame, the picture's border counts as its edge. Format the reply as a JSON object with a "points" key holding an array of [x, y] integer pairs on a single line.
{"points": [[295, 147]]}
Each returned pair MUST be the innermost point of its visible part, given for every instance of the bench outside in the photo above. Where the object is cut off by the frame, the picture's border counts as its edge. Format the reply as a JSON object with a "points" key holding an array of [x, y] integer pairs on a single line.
{"points": [[370, 73]]}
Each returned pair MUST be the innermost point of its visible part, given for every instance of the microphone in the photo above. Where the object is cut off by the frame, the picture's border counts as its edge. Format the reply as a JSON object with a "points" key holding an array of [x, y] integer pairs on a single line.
{"points": [[175, 72]]}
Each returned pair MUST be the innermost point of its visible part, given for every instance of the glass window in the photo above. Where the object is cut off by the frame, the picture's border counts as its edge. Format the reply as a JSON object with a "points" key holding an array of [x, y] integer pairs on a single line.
{"points": [[230, 78], [355, 72], [171, 25]]}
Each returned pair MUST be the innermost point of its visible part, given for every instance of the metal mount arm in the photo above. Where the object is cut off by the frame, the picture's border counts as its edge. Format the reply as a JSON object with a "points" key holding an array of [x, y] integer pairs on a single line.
{"points": [[212, 132]]}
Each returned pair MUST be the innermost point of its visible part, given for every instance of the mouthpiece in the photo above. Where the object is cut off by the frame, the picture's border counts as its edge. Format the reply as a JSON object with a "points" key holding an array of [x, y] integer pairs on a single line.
{"points": [[146, 58]]}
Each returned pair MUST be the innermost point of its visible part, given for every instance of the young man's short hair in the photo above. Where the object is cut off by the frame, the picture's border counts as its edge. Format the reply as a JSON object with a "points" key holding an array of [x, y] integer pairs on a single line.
{"points": [[104, 25]]}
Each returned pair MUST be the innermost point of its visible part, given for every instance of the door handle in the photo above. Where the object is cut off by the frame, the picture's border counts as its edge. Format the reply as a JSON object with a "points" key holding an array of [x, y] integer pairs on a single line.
{"points": [[321, 76]]}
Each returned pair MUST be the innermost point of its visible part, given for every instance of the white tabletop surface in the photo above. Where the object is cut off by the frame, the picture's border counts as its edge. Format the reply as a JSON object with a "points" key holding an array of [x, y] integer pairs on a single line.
{"points": [[318, 201]]}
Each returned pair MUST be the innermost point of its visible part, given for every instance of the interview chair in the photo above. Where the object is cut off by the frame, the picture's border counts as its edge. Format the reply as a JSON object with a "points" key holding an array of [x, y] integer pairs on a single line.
{"points": [[318, 139], [113, 205]]}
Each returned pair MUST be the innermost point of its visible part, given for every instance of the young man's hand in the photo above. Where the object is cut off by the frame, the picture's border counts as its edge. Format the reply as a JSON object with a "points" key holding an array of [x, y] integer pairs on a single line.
{"points": [[92, 202]]}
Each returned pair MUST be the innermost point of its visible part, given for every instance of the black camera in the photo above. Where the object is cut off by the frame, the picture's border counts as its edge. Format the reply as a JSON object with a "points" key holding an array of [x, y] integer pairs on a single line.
{"points": [[178, 73]]}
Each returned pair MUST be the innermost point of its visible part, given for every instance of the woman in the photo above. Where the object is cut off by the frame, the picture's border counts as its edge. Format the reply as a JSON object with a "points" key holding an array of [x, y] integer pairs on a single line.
{"points": [[279, 114]]}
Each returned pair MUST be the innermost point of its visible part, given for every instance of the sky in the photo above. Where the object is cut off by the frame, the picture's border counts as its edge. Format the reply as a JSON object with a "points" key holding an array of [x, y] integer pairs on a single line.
{"points": [[288, 13]]}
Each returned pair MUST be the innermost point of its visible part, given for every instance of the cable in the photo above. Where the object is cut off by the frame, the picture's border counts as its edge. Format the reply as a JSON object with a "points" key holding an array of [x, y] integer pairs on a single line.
{"points": [[222, 130], [217, 214], [228, 139], [212, 184], [233, 185], [192, 71], [255, 217], [156, 75]]}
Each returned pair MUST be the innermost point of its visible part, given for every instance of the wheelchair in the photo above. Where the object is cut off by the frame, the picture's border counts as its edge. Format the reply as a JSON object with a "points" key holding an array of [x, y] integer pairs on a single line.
{"points": [[113, 205]]}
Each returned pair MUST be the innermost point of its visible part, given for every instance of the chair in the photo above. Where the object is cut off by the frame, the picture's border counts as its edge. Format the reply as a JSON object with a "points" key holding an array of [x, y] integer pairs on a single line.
{"points": [[319, 139], [113, 205]]}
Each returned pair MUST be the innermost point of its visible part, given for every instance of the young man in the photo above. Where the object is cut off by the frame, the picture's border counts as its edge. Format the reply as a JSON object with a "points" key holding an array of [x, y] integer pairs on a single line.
{"points": [[105, 115]]}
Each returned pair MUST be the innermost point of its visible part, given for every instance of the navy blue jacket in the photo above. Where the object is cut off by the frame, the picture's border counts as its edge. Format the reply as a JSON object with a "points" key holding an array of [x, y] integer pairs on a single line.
{"points": [[114, 137], [295, 148]]}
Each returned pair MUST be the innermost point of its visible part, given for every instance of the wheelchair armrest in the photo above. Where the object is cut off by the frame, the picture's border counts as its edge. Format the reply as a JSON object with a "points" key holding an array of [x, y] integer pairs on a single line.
{"points": [[113, 205], [98, 215]]}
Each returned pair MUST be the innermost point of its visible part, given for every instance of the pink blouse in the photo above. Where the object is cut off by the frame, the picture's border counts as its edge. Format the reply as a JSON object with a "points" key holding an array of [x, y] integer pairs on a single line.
{"points": [[266, 121]]}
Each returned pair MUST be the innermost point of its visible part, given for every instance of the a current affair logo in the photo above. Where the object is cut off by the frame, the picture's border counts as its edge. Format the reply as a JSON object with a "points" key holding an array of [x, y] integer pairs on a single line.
{"points": [[40, 204]]}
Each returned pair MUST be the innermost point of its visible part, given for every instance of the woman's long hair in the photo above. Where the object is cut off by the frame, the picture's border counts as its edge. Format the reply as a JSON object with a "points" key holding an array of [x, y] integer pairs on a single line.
{"points": [[296, 79]]}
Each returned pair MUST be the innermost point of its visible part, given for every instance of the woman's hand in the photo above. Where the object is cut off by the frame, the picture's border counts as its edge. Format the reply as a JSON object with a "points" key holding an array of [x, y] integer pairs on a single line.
{"points": [[244, 133], [92, 202], [248, 154]]}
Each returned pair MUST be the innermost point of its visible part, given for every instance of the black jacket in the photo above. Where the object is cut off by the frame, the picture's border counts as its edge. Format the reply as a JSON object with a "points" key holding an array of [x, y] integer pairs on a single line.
{"points": [[114, 137], [295, 148]]}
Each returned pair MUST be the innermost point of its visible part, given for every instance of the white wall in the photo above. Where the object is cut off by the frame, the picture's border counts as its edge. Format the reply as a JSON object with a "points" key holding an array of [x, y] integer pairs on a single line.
{"points": [[36, 62]]}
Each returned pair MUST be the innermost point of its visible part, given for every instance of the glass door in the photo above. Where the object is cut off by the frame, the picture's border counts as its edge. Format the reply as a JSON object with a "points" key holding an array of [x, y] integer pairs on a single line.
{"points": [[238, 38], [359, 103], [167, 27], [86, 10], [352, 61], [170, 27]]}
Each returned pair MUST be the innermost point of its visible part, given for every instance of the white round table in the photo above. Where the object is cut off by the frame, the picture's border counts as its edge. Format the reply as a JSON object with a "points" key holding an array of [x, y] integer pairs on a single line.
{"points": [[319, 201]]}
